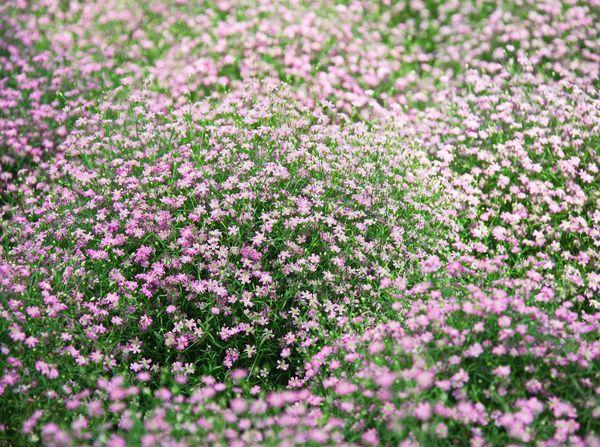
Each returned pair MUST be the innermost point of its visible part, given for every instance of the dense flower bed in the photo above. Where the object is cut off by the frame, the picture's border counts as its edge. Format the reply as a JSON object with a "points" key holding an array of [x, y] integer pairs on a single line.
{"points": [[484, 369], [239, 234], [299, 223]]}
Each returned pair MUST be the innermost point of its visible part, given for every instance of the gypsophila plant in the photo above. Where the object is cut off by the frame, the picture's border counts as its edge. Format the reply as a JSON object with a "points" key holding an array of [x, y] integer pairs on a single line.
{"points": [[282, 222]]}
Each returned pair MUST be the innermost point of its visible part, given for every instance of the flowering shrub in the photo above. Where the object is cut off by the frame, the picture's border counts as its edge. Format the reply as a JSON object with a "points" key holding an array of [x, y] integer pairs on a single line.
{"points": [[521, 159], [299, 223], [222, 238], [488, 367]]}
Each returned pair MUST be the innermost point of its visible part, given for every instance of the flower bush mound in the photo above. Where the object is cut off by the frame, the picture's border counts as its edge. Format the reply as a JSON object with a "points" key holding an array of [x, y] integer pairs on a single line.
{"points": [[299, 223]]}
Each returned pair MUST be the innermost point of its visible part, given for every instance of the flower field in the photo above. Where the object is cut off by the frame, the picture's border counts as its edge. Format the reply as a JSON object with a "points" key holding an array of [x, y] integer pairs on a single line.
{"points": [[289, 223]]}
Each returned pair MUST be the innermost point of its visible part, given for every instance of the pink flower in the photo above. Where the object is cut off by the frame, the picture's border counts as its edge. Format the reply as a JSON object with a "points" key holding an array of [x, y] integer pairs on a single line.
{"points": [[142, 255], [116, 441], [345, 388], [423, 411], [376, 347], [441, 430], [425, 379], [431, 264], [502, 371], [474, 351], [238, 405], [504, 321], [370, 437]]}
